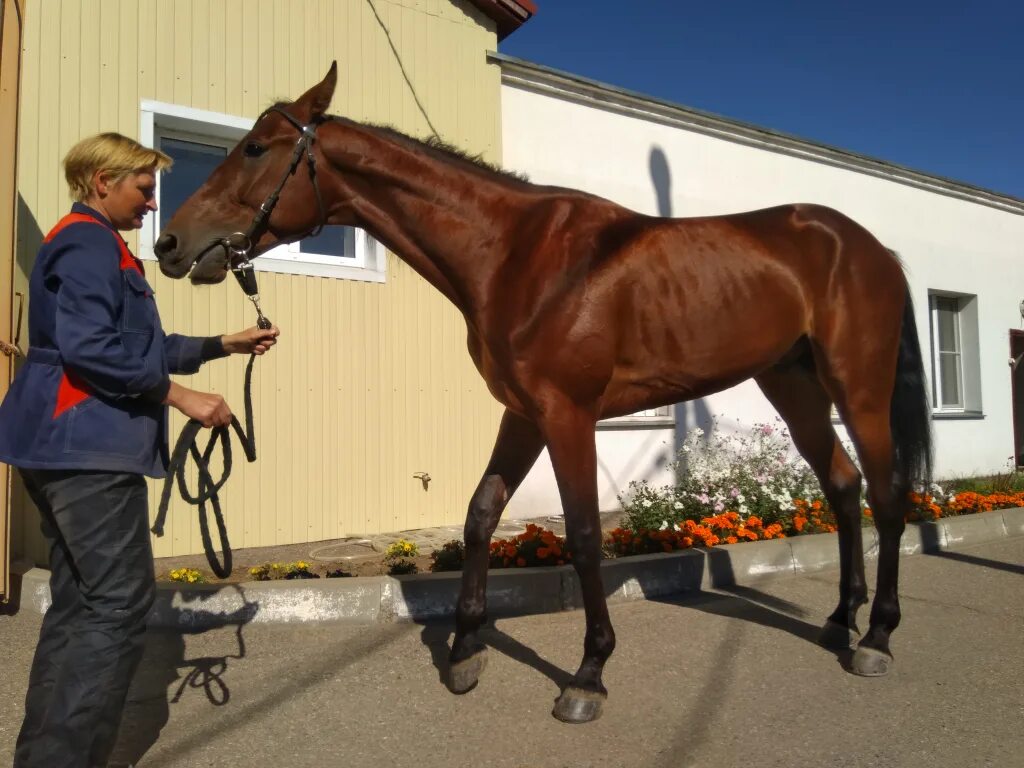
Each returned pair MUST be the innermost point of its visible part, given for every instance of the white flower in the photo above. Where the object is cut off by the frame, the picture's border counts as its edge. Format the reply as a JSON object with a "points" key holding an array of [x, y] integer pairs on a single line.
{"points": [[663, 526], [646, 504], [677, 505]]}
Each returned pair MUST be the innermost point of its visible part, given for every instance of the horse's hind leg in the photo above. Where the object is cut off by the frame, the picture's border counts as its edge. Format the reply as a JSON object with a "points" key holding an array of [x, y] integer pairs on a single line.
{"points": [[869, 425], [516, 449], [569, 434], [805, 406]]}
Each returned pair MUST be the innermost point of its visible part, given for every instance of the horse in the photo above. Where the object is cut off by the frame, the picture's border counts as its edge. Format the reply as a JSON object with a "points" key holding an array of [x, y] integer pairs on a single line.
{"points": [[578, 309]]}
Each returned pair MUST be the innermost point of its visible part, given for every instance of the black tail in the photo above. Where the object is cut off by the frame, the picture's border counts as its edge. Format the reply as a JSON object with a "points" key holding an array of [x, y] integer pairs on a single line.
{"points": [[910, 412]]}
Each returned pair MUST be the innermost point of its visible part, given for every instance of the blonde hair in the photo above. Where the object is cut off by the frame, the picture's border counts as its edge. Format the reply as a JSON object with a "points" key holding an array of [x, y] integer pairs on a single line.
{"points": [[111, 152]]}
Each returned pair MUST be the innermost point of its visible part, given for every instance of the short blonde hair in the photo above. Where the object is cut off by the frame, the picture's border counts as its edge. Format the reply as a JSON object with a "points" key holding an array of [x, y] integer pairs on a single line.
{"points": [[111, 152]]}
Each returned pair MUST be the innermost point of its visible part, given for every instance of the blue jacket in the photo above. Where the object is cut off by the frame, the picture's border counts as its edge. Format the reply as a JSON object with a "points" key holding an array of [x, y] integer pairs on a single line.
{"points": [[97, 371]]}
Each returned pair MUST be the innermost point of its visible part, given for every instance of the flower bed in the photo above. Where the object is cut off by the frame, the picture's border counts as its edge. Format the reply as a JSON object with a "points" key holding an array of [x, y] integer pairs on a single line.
{"points": [[540, 547]]}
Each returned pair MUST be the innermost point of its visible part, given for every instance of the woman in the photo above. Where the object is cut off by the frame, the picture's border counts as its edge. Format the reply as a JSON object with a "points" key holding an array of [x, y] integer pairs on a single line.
{"points": [[84, 421]]}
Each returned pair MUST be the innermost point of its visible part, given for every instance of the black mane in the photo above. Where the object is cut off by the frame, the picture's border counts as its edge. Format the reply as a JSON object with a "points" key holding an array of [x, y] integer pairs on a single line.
{"points": [[434, 145]]}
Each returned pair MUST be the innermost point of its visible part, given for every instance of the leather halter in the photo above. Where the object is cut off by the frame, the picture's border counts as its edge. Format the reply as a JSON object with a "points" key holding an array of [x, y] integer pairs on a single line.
{"points": [[241, 245]]}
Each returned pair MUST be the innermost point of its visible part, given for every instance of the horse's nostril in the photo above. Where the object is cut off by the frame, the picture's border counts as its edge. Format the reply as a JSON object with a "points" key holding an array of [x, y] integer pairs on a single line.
{"points": [[165, 244]]}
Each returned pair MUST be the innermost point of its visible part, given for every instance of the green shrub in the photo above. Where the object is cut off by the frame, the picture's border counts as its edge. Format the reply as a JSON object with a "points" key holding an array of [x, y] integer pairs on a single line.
{"points": [[449, 557]]}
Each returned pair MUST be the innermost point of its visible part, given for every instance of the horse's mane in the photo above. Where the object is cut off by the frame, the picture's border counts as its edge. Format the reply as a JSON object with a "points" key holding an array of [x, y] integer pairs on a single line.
{"points": [[440, 146], [434, 145]]}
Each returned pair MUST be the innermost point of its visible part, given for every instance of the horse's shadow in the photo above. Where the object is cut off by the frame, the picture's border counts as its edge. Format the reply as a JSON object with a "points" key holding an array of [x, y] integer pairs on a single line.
{"points": [[164, 675], [730, 600]]}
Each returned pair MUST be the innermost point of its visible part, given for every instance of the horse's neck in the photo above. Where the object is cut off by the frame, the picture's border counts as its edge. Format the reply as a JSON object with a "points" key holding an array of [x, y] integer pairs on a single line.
{"points": [[434, 212]]}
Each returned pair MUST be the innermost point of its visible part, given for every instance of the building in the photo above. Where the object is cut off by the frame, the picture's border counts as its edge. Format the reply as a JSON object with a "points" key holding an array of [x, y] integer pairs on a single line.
{"points": [[371, 383], [963, 248]]}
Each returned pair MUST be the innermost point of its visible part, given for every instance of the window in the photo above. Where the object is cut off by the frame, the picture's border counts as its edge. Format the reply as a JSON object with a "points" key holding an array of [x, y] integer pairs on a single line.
{"points": [[948, 353], [198, 141], [956, 377]]}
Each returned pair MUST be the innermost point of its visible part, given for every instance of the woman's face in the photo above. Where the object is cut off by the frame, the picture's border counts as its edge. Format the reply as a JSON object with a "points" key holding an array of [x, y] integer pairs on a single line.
{"points": [[127, 201]]}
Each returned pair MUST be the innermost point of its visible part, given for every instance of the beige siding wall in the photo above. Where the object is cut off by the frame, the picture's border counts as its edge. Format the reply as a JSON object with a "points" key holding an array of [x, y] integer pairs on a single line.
{"points": [[370, 383]]}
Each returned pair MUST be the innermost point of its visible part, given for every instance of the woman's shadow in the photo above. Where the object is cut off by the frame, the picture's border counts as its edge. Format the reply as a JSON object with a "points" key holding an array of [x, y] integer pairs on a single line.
{"points": [[165, 675]]}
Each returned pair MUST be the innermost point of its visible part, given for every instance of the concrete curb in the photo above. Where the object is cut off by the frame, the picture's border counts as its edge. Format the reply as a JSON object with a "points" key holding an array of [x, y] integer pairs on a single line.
{"points": [[528, 590]]}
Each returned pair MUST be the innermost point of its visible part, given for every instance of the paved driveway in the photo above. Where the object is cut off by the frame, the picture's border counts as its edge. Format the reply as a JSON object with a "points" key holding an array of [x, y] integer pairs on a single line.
{"points": [[722, 679]]}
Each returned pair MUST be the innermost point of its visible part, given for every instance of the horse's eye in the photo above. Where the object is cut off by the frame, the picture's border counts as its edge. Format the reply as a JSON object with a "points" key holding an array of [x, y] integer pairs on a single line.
{"points": [[252, 149]]}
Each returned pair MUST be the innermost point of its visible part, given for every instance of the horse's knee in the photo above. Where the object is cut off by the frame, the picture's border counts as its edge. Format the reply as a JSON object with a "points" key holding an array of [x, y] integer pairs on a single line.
{"points": [[484, 510]]}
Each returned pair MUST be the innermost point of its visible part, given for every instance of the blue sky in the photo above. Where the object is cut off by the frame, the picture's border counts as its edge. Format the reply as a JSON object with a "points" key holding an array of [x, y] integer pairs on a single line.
{"points": [[936, 86]]}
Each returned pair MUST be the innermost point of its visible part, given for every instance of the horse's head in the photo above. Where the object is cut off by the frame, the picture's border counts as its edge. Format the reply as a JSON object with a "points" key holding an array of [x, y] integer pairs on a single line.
{"points": [[229, 200]]}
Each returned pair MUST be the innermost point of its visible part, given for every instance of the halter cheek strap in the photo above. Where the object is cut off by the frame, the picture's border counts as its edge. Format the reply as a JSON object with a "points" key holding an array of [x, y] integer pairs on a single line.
{"points": [[240, 245]]}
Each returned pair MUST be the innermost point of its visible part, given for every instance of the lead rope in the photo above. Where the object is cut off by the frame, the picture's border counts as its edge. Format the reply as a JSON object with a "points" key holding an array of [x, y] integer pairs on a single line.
{"points": [[209, 489]]}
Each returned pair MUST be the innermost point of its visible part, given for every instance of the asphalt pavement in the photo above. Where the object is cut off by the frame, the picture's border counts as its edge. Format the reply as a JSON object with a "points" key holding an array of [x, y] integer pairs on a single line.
{"points": [[724, 678]]}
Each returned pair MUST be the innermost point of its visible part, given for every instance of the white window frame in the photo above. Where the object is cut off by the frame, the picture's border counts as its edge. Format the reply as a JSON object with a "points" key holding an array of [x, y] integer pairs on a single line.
{"points": [[204, 126], [967, 323]]}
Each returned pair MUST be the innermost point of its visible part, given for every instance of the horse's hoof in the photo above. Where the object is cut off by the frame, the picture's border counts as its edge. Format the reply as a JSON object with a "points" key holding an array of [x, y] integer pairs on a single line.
{"points": [[576, 705], [870, 662], [837, 637], [464, 675]]}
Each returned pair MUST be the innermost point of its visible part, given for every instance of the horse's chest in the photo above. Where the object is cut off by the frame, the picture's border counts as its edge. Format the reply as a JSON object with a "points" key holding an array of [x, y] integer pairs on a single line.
{"points": [[495, 375]]}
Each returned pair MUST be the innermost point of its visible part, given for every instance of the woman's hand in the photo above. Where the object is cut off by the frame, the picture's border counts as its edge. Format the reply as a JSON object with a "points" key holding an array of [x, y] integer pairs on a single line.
{"points": [[254, 341], [208, 409]]}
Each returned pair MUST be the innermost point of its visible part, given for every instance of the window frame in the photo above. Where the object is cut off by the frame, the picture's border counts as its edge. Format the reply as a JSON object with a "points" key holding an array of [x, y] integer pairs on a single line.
{"points": [[202, 126], [938, 378], [968, 319], [643, 418]]}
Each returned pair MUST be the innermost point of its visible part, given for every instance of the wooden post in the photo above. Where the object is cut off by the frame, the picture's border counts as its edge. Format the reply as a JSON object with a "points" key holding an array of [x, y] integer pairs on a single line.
{"points": [[11, 18]]}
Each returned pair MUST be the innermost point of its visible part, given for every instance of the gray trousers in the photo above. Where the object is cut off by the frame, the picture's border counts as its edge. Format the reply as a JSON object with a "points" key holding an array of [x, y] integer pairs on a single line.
{"points": [[102, 587]]}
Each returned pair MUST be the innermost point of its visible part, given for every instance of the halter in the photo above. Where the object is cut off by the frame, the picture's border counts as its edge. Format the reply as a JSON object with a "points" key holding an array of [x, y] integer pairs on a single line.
{"points": [[240, 245]]}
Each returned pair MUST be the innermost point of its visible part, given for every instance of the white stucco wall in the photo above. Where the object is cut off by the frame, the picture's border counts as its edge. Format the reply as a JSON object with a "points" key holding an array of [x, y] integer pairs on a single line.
{"points": [[658, 168]]}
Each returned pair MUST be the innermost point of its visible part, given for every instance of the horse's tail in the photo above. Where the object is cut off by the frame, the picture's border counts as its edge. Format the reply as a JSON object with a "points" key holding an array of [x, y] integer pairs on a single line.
{"points": [[910, 411]]}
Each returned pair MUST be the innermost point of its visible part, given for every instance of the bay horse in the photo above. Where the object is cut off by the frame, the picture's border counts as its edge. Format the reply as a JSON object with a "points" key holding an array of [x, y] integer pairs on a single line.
{"points": [[578, 309]]}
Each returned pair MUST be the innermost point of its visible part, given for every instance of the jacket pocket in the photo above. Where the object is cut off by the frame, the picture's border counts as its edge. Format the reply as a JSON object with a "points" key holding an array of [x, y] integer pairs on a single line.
{"points": [[139, 312], [97, 428]]}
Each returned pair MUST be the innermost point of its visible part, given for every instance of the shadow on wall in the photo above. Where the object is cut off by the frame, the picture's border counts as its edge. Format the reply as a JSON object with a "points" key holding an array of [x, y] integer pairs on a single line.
{"points": [[696, 412]]}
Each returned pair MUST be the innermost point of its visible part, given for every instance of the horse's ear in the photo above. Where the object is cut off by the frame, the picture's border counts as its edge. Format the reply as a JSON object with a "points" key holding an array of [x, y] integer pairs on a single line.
{"points": [[318, 98]]}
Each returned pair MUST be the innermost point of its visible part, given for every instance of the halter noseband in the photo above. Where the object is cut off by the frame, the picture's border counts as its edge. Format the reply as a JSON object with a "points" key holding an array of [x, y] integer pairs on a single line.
{"points": [[240, 245]]}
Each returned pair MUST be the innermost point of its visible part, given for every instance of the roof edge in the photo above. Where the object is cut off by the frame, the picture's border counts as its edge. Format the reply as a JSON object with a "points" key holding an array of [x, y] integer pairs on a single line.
{"points": [[509, 15], [556, 82]]}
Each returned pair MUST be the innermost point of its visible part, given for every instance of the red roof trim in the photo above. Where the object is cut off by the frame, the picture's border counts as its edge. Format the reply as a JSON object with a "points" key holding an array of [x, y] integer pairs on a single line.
{"points": [[510, 15]]}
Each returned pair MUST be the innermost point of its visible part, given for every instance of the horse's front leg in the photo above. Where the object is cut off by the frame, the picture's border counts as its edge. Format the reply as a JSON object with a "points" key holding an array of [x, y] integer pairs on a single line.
{"points": [[569, 434], [516, 449]]}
